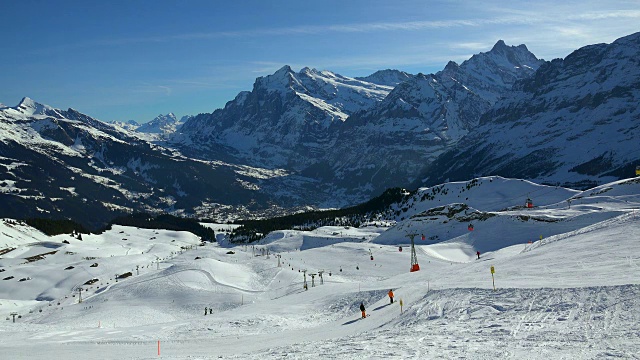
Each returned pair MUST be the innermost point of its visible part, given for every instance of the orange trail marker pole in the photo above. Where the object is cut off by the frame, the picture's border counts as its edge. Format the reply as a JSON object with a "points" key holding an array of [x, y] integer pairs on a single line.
{"points": [[158, 347]]}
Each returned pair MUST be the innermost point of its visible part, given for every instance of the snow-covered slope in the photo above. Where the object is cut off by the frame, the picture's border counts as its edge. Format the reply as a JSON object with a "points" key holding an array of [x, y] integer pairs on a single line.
{"points": [[572, 294], [17, 233], [497, 209], [575, 122]]}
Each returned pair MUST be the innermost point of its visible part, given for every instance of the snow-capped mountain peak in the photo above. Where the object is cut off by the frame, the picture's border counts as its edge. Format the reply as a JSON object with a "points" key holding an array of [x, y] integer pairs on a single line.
{"points": [[31, 107], [27, 107], [491, 74], [387, 77], [499, 46], [278, 81], [161, 124]]}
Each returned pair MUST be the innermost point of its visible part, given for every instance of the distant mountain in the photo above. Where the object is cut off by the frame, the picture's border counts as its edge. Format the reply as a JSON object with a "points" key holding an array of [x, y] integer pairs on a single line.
{"points": [[64, 164], [392, 142], [283, 122], [128, 125], [161, 124], [387, 77], [575, 122]]}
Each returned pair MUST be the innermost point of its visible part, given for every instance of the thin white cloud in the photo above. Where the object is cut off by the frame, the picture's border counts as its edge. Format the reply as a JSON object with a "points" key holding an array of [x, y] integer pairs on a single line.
{"points": [[474, 46], [616, 14], [152, 89], [502, 17]]}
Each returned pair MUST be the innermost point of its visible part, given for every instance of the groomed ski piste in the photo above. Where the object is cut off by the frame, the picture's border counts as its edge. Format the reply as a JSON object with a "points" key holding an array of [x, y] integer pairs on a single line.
{"points": [[567, 284]]}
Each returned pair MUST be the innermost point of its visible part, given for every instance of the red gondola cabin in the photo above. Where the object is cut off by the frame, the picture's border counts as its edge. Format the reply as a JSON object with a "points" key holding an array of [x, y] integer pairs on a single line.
{"points": [[529, 203]]}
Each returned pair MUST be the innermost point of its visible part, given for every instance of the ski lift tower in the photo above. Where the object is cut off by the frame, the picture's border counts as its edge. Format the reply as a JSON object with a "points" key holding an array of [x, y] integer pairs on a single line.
{"points": [[304, 274], [414, 258]]}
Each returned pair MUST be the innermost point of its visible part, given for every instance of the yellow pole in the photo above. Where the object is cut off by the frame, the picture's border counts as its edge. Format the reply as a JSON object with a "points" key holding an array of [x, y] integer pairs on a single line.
{"points": [[493, 280], [400, 306]]}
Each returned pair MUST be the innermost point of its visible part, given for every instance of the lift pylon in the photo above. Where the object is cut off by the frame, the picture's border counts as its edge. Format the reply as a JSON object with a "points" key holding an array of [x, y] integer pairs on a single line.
{"points": [[414, 258]]}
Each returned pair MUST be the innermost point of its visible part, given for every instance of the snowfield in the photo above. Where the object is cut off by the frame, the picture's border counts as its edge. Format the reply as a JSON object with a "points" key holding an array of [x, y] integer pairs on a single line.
{"points": [[567, 284]]}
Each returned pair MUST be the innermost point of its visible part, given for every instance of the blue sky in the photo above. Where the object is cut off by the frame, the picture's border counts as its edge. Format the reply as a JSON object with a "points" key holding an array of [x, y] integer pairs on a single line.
{"points": [[134, 59]]}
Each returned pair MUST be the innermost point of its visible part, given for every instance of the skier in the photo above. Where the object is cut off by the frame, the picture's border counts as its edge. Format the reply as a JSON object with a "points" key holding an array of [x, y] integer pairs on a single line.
{"points": [[391, 295], [364, 314], [210, 311], [478, 253], [205, 311]]}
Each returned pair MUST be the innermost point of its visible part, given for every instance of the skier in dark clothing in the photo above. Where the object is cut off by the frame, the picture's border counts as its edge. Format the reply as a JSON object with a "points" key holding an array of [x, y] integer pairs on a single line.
{"points": [[364, 313], [205, 310], [478, 253]]}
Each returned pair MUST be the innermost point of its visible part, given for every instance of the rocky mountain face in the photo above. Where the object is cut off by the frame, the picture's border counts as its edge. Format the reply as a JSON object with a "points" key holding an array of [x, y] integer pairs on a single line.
{"points": [[283, 122], [575, 122], [64, 164], [355, 137], [391, 142]]}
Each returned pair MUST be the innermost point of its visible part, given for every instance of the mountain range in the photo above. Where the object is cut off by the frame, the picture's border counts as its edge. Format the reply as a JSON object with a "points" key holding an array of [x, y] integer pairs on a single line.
{"points": [[575, 122], [63, 164], [319, 139]]}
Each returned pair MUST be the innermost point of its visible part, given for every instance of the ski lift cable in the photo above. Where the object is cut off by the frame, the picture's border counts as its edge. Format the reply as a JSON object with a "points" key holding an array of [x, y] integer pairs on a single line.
{"points": [[528, 193], [548, 190], [536, 191]]}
